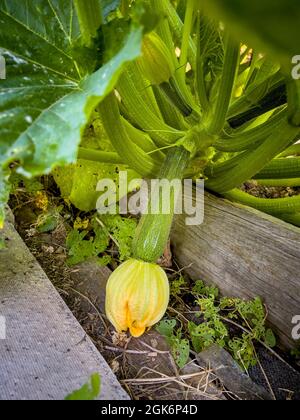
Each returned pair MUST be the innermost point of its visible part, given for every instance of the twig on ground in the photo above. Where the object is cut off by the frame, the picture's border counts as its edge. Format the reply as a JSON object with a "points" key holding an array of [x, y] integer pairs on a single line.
{"points": [[265, 375], [164, 378]]}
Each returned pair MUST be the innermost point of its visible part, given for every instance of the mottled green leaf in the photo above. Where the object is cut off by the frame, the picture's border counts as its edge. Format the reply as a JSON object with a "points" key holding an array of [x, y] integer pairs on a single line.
{"points": [[122, 229], [166, 327], [81, 248], [270, 338], [78, 182], [180, 348], [181, 352]]}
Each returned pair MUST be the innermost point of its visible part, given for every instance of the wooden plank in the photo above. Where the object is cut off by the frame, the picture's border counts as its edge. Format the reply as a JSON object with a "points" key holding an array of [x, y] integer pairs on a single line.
{"points": [[45, 353], [247, 254]]}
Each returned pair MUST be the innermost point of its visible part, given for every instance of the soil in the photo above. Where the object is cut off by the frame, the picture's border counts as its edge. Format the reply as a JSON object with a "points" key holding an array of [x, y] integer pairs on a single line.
{"points": [[261, 191], [144, 367]]}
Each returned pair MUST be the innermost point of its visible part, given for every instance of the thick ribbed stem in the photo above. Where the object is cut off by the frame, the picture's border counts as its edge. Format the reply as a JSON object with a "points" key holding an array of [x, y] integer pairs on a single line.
{"points": [[249, 139], [291, 182], [200, 79], [187, 29], [250, 163], [276, 207], [217, 116], [162, 134], [281, 168], [98, 156], [90, 18], [133, 155]]}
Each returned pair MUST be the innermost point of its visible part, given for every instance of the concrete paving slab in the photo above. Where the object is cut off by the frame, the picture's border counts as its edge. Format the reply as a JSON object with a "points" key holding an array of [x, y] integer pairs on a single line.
{"points": [[44, 352]]}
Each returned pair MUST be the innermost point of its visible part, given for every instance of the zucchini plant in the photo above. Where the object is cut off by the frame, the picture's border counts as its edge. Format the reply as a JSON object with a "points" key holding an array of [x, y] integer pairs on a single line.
{"points": [[183, 88]]}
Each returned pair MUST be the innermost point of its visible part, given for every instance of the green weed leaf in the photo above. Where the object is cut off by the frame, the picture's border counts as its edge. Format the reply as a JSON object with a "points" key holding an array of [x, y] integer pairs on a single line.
{"points": [[270, 338], [83, 246], [92, 243], [180, 347], [181, 352], [166, 327], [89, 391]]}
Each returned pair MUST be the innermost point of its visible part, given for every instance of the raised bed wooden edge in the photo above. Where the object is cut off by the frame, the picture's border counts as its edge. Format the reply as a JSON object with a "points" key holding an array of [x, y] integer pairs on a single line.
{"points": [[246, 254]]}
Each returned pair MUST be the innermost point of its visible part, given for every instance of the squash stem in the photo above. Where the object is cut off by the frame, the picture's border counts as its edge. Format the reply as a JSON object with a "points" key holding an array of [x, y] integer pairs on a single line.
{"points": [[276, 206], [200, 79], [187, 29], [90, 19], [218, 114], [98, 156]]}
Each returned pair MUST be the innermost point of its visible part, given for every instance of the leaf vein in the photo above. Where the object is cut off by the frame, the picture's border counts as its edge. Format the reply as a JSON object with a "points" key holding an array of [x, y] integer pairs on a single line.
{"points": [[36, 33]]}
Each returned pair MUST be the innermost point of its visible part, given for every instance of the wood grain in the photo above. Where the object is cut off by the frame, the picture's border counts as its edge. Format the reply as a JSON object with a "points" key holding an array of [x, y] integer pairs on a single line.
{"points": [[247, 254]]}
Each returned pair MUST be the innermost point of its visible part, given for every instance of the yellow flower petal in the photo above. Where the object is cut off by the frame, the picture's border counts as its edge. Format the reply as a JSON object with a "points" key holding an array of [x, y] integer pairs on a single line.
{"points": [[137, 296]]}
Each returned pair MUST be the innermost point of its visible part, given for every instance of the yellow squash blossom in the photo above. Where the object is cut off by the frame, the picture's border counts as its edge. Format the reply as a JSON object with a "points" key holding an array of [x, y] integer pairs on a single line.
{"points": [[137, 296]]}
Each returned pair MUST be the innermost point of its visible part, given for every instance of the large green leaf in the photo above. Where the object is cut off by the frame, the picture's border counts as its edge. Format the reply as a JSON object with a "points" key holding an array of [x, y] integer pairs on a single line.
{"points": [[54, 136], [48, 97], [272, 25], [26, 97], [42, 32], [78, 182]]}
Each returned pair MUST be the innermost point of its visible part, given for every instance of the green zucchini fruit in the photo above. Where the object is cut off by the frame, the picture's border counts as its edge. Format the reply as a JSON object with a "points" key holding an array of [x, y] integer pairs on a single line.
{"points": [[154, 229]]}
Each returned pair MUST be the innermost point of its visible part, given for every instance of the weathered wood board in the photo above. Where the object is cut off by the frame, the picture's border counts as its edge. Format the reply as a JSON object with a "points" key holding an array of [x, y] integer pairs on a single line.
{"points": [[245, 253], [44, 352]]}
